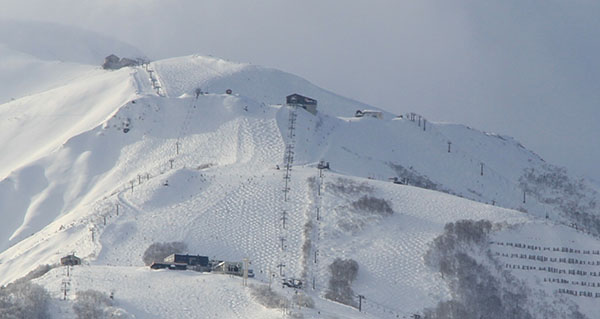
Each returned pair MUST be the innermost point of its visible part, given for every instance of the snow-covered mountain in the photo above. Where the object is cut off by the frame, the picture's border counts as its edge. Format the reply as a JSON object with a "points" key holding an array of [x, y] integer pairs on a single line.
{"points": [[39, 56], [105, 163]]}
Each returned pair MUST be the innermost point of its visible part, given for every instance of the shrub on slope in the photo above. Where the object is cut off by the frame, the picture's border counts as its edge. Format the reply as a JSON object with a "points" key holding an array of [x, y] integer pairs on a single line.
{"points": [[93, 304], [373, 205], [267, 297], [38, 272], [479, 286], [158, 251], [24, 300], [343, 273], [575, 199]]}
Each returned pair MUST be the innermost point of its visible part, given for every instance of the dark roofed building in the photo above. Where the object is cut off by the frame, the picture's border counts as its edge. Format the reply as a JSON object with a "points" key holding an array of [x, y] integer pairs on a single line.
{"points": [[304, 102], [187, 259], [70, 260]]}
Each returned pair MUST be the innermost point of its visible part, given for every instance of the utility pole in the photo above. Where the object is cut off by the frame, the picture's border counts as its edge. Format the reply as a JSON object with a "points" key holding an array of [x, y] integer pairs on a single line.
{"points": [[523, 197], [481, 169], [281, 266], [424, 125], [65, 288], [282, 240], [318, 214], [285, 191], [316, 255], [117, 209], [171, 161], [449, 143], [132, 182], [177, 147], [284, 218], [360, 298]]}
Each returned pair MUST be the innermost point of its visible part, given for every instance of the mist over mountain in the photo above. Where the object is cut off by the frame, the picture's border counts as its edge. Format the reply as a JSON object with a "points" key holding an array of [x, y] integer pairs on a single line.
{"points": [[528, 70]]}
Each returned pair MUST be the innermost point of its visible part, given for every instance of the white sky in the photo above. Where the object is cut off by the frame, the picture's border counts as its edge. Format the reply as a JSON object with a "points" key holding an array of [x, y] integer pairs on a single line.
{"points": [[528, 69]]}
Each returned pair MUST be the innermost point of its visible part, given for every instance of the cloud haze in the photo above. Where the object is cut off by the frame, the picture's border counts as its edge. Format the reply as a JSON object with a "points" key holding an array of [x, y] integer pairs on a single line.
{"points": [[528, 69]]}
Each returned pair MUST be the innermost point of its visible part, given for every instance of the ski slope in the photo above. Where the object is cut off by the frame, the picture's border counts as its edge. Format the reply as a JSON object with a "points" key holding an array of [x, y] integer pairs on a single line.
{"points": [[103, 167]]}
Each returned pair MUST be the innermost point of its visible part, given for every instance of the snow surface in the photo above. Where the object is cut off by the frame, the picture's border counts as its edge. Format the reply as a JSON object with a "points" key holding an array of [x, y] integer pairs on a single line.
{"points": [[39, 56], [202, 170]]}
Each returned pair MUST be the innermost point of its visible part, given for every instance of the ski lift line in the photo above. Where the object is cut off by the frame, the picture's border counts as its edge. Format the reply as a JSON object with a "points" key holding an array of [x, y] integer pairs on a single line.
{"points": [[285, 257], [186, 122], [155, 81], [443, 137], [489, 168], [117, 192]]}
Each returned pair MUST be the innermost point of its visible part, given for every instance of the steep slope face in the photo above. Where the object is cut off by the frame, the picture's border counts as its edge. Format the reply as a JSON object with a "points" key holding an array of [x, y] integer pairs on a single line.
{"points": [[35, 125], [23, 74], [39, 56]]}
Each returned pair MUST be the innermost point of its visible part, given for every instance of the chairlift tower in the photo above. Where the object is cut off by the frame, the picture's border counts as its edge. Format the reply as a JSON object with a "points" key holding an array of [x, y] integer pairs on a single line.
{"points": [[288, 160], [289, 150], [65, 288]]}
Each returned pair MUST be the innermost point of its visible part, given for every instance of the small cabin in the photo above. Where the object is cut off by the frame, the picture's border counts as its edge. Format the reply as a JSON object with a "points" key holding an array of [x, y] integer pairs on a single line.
{"points": [[70, 260], [304, 102], [369, 113], [228, 267]]}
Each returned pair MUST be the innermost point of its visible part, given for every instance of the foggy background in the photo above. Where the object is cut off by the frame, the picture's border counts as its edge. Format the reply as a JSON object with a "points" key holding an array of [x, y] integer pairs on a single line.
{"points": [[528, 69]]}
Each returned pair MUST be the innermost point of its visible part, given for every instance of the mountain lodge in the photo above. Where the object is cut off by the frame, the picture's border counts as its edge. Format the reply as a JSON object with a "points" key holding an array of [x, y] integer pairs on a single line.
{"points": [[304, 102]]}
